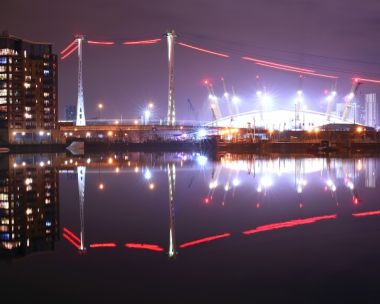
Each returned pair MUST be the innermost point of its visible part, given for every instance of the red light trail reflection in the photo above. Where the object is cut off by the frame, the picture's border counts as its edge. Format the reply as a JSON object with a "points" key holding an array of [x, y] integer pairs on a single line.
{"points": [[71, 241], [288, 224], [205, 240], [103, 245], [75, 241], [151, 247], [71, 234]]}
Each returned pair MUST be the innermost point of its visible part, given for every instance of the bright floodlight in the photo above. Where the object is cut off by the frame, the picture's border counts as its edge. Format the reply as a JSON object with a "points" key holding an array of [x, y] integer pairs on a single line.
{"points": [[236, 182], [147, 114], [202, 160], [226, 94], [235, 99], [201, 133], [266, 99], [259, 93]]}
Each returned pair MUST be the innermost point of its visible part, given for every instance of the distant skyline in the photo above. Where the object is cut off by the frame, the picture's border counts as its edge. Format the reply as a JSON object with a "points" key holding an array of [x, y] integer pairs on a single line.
{"points": [[338, 37]]}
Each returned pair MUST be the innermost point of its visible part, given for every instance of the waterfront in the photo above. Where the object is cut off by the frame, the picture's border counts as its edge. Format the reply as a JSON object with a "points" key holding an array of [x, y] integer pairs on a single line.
{"points": [[179, 227]]}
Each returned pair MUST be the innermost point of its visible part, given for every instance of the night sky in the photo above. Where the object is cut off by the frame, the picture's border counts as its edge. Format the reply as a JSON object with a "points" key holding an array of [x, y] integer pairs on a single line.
{"points": [[336, 37]]}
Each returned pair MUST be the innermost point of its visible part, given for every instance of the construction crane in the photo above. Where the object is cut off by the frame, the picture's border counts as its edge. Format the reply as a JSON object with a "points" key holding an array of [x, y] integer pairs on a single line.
{"points": [[192, 109], [298, 102], [227, 97], [214, 105], [349, 98], [263, 97]]}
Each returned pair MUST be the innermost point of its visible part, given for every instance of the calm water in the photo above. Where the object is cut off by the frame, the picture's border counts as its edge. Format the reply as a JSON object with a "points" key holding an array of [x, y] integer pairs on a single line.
{"points": [[142, 227]]}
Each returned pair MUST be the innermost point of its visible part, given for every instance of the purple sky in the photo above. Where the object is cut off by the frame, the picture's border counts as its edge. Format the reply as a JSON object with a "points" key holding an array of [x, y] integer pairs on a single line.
{"points": [[335, 36]]}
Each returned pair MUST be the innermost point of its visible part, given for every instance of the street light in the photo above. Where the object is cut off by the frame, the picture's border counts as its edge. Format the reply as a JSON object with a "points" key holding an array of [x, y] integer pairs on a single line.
{"points": [[100, 108]]}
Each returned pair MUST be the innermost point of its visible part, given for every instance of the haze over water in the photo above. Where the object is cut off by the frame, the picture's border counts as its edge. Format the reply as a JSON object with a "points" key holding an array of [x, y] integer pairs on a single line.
{"points": [[180, 227]]}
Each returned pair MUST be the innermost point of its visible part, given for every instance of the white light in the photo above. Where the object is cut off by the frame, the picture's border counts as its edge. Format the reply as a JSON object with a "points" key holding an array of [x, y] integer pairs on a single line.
{"points": [[299, 92], [236, 182], [259, 93], [42, 164], [299, 189], [88, 134], [213, 184], [201, 133], [266, 181], [226, 187], [88, 160], [201, 160], [210, 96], [41, 133], [226, 94], [147, 174], [235, 100], [147, 114], [267, 99], [350, 185]]}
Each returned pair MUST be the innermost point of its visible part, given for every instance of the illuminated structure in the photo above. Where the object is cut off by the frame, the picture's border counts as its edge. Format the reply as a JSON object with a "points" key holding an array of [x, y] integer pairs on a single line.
{"points": [[370, 110], [81, 170], [28, 90], [28, 205], [171, 179], [81, 120], [170, 36], [279, 120]]}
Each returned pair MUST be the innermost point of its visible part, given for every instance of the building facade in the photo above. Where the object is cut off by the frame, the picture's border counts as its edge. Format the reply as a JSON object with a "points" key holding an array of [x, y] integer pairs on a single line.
{"points": [[370, 110], [28, 91]]}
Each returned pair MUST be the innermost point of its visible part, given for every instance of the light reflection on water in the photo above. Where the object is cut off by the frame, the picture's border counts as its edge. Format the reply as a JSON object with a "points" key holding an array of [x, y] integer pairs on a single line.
{"points": [[168, 202]]}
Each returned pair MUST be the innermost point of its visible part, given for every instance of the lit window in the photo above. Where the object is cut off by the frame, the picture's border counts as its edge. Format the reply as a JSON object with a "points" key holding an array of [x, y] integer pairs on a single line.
{"points": [[3, 60]]}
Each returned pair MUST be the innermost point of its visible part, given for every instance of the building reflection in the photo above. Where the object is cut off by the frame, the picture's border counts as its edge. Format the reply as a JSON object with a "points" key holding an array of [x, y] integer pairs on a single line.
{"points": [[29, 205]]}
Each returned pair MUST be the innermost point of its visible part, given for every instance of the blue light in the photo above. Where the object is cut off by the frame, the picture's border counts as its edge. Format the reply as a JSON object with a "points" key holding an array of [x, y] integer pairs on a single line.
{"points": [[201, 133]]}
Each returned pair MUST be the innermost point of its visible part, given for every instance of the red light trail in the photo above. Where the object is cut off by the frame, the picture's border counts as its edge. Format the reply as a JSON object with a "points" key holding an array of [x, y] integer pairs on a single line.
{"points": [[288, 224], [367, 80], [68, 47], [296, 71], [151, 247], [205, 240], [69, 53], [77, 246], [100, 42], [67, 231], [277, 64], [377, 212], [142, 42], [203, 50], [103, 245]]}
